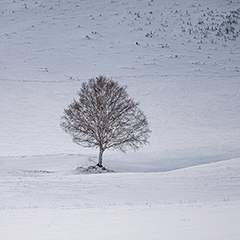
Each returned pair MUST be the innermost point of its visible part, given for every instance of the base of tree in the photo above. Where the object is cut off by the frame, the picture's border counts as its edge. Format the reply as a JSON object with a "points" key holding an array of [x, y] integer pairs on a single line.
{"points": [[92, 169], [99, 165]]}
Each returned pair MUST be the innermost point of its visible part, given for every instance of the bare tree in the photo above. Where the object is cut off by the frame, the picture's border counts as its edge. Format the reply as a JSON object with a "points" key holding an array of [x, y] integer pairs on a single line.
{"points": [[104, 116]]}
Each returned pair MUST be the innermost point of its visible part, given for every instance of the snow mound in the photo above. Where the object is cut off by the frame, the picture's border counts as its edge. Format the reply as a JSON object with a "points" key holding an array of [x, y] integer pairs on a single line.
{"points": [[92, 169]]}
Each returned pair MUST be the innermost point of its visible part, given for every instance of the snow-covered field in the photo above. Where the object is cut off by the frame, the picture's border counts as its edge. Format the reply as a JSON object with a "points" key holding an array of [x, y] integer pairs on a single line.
{"points": [[181, 60], [200, 202]]}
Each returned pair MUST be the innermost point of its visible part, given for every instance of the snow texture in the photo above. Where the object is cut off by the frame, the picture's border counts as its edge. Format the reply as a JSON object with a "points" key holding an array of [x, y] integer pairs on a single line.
{"points": [[180, 60]]}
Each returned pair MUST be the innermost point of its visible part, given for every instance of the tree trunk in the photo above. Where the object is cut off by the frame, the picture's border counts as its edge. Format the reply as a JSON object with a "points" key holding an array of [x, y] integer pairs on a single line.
{"points": [[100, 157]]}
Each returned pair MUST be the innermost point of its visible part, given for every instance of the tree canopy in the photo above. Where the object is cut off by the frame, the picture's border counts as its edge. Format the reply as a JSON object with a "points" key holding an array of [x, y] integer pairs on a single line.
{"points": [[104, 116]]}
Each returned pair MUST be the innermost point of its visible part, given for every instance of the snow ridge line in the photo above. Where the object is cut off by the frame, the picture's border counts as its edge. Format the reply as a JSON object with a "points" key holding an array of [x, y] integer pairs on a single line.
{"points": [[71, 79]]}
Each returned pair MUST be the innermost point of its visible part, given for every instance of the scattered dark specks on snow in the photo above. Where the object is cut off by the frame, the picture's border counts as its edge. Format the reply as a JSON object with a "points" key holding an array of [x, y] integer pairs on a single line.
{"points": [[92, 169]]}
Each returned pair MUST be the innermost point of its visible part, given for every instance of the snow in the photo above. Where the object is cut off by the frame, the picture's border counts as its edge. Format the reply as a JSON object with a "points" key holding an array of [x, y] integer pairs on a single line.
{"points": [[191, 203], [185, 184], [135, 222]]}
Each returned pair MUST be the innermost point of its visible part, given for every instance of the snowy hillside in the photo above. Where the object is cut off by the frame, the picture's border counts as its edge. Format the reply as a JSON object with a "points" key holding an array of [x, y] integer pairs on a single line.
{"points": [[176, 58], [180, 60], [201, 202]]}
